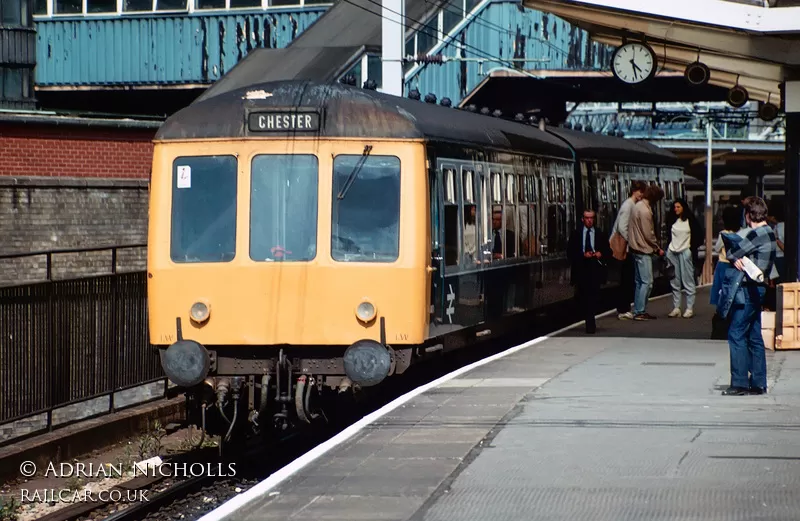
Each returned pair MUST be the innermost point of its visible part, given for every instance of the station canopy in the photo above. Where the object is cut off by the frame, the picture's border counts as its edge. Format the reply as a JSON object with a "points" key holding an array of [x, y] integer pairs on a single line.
{"points": [[750, 43]]}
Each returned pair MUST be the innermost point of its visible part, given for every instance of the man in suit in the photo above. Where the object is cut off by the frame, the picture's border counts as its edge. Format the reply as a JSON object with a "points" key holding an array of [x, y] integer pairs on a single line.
{"points": [[497, 241], [588, 252]]}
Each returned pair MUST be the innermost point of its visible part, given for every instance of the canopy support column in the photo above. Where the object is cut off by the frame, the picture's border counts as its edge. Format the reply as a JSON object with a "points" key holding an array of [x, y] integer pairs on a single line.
{"points": [[708, 271], [792, 187], [393, 45]]}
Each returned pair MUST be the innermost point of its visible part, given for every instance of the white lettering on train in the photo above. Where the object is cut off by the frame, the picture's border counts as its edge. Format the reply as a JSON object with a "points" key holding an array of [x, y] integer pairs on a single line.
{"points": [[284, 121]]}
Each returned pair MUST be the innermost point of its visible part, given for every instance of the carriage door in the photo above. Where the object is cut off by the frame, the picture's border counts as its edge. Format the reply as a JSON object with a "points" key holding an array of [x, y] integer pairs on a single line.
{"points": [[444, 241], [437, 258]]}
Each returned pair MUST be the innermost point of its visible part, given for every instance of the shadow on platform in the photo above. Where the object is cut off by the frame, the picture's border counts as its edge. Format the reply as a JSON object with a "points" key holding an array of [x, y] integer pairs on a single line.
{"points": [[698, 327]]}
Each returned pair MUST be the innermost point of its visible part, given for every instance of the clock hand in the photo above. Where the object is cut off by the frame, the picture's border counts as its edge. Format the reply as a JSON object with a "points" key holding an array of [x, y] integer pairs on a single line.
{"points": [[635, 67]]}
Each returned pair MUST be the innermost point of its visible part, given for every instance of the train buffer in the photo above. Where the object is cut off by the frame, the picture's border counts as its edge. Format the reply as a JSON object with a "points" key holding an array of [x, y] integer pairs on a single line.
{"points": [[627, 424]]}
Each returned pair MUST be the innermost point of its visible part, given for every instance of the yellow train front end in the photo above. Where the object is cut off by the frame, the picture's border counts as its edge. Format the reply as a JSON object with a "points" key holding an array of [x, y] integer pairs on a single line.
{"points": [[286, 263]]}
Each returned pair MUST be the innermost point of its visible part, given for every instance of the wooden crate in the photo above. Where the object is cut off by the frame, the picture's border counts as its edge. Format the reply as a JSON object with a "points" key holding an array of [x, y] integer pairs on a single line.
{"points": [[769, 338], [768, 320], [787, 317]]}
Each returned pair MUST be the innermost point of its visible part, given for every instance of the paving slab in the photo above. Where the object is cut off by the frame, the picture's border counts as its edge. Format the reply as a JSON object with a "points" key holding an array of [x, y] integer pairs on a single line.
{"points": [[627, 424]]}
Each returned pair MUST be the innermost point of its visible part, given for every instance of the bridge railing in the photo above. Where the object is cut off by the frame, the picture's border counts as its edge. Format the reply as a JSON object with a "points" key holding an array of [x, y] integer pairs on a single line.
{"points": [[74, 348]]}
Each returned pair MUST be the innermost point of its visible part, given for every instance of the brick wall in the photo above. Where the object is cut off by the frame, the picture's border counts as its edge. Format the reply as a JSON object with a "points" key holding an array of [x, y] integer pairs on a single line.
{"points": [[72, 151], [72, 187]]}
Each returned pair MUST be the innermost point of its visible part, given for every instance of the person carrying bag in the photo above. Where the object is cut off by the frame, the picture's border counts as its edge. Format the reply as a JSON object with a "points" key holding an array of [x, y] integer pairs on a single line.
{"points": [[619, 250]]}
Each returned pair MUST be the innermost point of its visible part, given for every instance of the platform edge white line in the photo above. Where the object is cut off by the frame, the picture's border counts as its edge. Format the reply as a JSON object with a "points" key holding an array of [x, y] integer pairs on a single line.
{"points": [[277, 477], [287, 471]]}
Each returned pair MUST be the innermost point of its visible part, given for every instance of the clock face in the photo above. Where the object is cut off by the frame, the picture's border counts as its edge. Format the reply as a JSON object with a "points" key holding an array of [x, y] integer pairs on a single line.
{"points": [[633, 63]]}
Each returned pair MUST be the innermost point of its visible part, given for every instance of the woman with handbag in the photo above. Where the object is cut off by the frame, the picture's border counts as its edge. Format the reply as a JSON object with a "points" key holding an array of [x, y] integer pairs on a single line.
{"points": [[683, 253]]}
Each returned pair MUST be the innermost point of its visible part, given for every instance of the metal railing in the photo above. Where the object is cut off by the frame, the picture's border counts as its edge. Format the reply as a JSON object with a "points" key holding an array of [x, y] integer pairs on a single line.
{"points": [[75, 341]]}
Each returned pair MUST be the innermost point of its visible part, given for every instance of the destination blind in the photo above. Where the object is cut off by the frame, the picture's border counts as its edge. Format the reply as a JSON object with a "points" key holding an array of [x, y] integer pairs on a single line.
{"points": [[284, 121]]}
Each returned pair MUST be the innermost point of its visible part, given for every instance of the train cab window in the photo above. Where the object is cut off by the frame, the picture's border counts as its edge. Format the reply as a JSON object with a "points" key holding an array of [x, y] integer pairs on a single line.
{"points": [[470, 237], [204, 209], [283, 207], [365, 223]]}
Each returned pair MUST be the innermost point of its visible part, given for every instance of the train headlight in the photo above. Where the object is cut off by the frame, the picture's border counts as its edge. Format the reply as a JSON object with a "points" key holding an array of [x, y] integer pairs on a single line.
{"points": [[365, 311], [199, 312]]}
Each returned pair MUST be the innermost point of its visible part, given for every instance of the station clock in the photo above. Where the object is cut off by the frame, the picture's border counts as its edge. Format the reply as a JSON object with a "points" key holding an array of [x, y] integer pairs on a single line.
{"points": [[634, 62]]}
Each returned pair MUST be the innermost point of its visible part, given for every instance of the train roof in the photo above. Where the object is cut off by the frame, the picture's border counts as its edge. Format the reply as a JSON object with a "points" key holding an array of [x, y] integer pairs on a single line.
{"points": [[346, 111], [600, 147], [352, 112]]}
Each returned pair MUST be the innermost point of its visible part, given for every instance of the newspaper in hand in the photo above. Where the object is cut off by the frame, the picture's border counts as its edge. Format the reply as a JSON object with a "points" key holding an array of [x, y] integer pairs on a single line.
{"points": [[752, 270]]}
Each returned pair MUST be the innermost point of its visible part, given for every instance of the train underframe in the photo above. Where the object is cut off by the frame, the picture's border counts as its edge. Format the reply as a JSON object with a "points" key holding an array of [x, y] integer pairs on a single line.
{"points": [[240, 391]]}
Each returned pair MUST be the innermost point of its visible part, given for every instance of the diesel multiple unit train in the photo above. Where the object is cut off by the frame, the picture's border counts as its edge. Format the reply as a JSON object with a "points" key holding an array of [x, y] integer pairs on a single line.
{"points": [[309, 238]]}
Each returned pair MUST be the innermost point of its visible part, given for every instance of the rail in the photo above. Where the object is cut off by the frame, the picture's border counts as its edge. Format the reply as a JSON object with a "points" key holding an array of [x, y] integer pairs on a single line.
{"points": [[74, 349]]}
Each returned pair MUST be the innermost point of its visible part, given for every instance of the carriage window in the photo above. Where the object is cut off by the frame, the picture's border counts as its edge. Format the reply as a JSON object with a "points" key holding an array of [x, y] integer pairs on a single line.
{"points": [[503, 245], [468, 177], [283, 207], [497, 191], [530, 238], [524, 231], [552, 229], [203, 209], [449, 185], [510, 218], [470, 237], [510, 187], [451, 244], [365, 223], [562, 197], [486, 219]]}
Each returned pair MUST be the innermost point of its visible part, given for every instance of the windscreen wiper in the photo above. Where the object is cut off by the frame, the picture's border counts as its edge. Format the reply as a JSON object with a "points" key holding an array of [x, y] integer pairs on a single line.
{"points": [[352, 177]]}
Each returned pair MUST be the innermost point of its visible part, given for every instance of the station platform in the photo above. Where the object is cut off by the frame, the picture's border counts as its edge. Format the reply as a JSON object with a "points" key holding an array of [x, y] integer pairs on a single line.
{"points": [[627, 424]]}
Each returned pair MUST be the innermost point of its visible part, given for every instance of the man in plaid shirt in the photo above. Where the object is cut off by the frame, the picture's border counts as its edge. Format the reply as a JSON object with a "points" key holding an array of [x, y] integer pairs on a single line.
{"points": [[744, 334]]}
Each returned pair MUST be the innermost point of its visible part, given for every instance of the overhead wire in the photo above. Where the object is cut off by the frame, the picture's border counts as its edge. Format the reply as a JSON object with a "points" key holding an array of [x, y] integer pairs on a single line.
{"points": [[490, 25], [421, 29]]}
